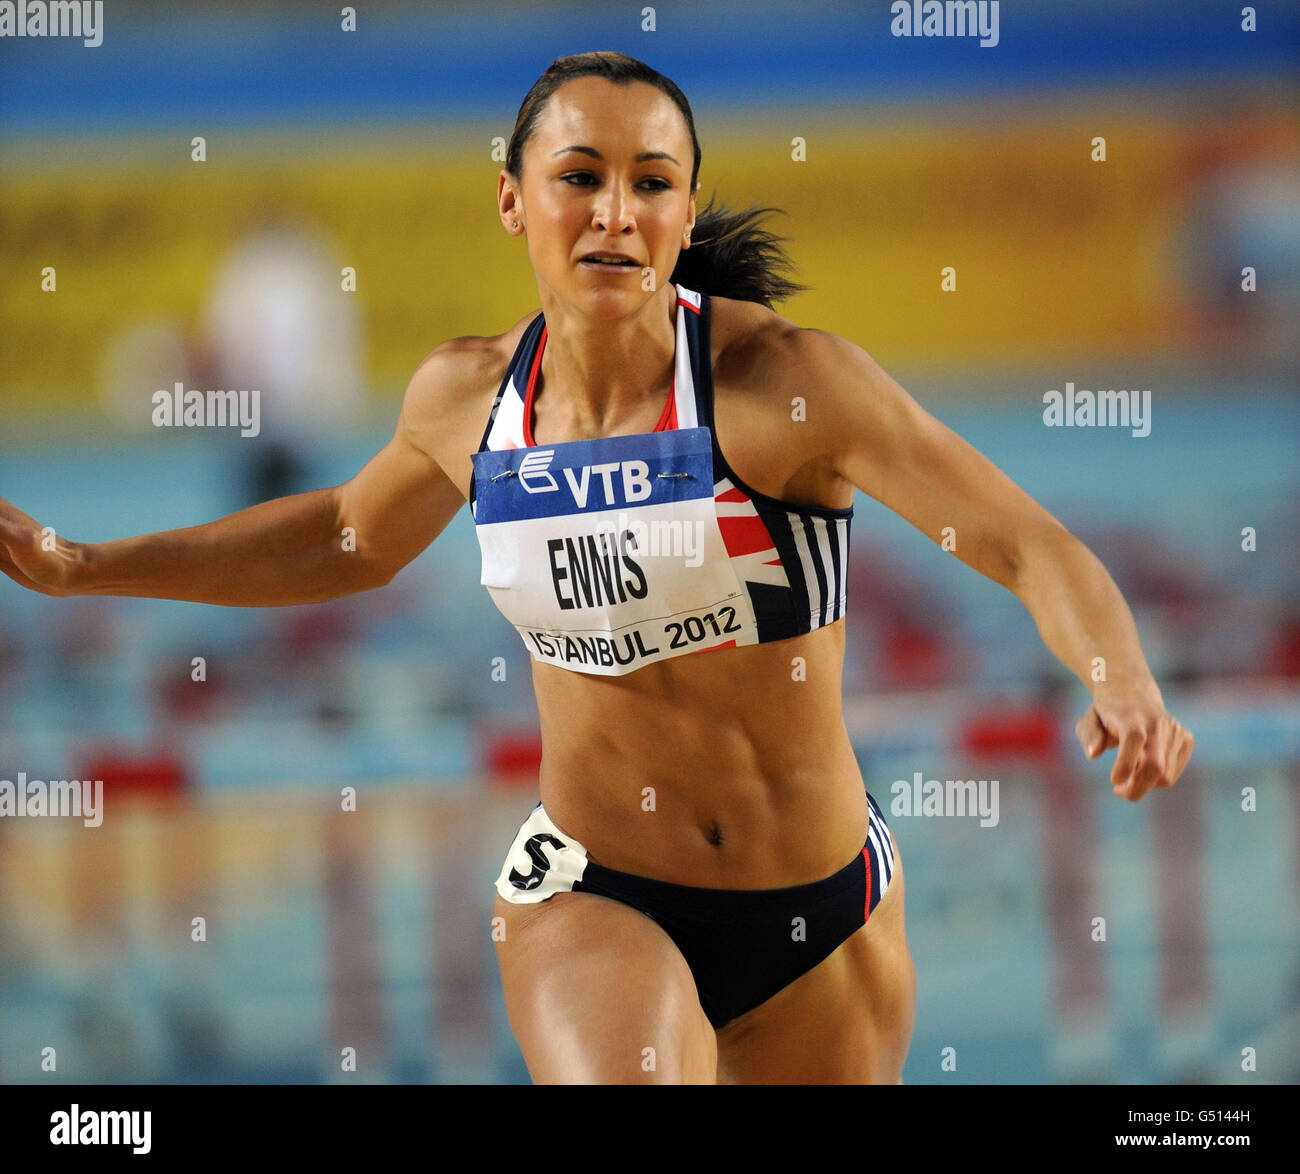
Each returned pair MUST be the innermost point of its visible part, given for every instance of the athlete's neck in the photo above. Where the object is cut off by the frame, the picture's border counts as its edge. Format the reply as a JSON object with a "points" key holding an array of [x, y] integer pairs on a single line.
{"points": [[603, 372]]}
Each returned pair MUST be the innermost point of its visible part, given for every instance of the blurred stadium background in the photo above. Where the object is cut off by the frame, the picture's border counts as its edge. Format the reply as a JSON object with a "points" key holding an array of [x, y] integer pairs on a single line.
{"points": [[374, 149]]}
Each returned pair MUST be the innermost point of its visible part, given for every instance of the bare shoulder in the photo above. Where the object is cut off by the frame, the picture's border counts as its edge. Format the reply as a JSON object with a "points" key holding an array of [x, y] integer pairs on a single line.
{"points": [[762, 353], [449, 397], [773, 385], [454, 374], [741, 333]]}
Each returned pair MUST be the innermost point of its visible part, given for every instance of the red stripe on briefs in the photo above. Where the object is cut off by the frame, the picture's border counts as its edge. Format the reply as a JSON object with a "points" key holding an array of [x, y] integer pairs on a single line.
{"points": [[730, 495], [528, 394], [866, 905], [744, 535], [689, 305], [711, 647]]}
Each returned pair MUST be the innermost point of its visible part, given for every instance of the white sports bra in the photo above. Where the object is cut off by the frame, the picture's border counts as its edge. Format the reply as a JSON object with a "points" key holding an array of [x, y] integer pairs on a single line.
{"points": [[612, 553]]}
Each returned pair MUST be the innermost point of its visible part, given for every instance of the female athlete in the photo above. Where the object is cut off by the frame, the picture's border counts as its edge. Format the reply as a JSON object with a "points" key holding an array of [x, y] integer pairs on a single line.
{"points": [[707, 893]]}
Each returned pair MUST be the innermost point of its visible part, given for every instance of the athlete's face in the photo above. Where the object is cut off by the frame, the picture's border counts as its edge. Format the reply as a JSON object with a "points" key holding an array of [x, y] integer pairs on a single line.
{"points": [[607, 169]]}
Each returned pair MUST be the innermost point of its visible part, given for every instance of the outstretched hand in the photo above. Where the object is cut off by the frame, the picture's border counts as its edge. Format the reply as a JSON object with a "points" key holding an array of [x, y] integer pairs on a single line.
{"points": [[26, 555], [1153, 747]]}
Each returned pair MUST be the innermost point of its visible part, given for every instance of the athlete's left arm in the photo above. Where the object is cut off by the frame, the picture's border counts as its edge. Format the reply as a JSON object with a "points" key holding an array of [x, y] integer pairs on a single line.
{"points": [[878, 438]]}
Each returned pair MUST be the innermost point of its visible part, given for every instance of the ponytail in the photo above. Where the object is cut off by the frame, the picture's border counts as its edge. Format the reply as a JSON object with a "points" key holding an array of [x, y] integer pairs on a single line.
{"points": [[731, 257]]}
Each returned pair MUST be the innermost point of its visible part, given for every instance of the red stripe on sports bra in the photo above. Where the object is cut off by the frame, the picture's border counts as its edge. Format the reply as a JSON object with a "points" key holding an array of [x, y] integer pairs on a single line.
{"points": [[732, 494], [866, 905], [667, 418], [744, 535], [528, 393]]}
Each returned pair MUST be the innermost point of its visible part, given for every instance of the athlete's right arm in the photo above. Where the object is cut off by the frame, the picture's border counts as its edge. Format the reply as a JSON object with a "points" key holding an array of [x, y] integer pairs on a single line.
{"points": [[303, 548]]}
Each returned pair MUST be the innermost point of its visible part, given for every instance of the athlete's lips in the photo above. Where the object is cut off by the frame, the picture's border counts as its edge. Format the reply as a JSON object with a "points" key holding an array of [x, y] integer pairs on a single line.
{"points": [[632, 261]]}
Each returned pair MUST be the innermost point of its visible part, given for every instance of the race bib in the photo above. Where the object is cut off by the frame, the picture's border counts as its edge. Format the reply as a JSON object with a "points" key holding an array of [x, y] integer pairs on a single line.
{"points": [[606, 554]]}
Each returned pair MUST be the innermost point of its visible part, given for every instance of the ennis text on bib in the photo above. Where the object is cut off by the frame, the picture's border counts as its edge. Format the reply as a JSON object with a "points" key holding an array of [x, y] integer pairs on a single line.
{"points": [[610, 554]]}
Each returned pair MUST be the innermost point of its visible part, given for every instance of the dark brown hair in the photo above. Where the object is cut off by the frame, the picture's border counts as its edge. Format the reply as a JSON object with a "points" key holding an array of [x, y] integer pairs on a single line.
{"points": [[729, 256]]}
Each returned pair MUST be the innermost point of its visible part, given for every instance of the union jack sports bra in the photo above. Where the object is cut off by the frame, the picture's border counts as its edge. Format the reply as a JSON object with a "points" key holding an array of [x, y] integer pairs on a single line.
{"points": [[612, 553]]}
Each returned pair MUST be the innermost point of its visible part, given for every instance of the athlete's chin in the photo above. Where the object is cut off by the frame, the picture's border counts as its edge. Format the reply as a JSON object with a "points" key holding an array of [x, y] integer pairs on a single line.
{"points": [[609, 299]]}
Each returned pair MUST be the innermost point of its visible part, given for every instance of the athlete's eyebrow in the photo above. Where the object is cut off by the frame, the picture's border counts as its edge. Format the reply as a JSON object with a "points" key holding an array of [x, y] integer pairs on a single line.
{"points": [[641, 158]]}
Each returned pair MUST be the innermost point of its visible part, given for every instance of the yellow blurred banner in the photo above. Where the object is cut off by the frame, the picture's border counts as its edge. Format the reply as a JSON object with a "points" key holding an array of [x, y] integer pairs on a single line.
{"points": [[1049, 249]]}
